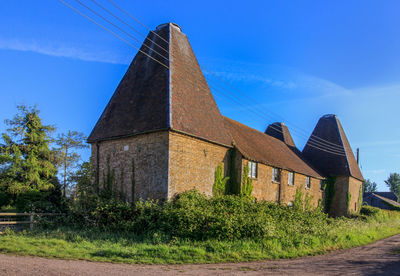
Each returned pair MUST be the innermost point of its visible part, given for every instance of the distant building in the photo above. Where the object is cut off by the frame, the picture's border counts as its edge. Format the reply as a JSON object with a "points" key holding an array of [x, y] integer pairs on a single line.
{"points": [[383, 200], [163, 120]]}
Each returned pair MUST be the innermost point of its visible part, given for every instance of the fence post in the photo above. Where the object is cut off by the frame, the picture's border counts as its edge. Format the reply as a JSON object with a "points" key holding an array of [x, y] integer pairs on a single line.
{"points": [[31, 221]]}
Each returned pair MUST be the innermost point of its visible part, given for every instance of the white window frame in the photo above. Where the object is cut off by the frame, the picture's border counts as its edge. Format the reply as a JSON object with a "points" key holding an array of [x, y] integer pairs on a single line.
{"points": [[291, 178], [308, 182], [276, 172], [253, 169]]}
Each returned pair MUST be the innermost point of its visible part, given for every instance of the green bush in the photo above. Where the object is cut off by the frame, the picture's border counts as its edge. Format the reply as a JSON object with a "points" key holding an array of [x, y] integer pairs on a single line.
{"points": [[193, 216]]}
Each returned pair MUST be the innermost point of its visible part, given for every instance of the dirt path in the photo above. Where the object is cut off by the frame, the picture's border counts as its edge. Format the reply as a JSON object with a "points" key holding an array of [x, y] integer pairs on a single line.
{"points": [[375, 259]]}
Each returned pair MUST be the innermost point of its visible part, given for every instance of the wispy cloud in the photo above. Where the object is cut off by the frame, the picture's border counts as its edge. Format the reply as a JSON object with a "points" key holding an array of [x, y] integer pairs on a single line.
{"points": [[378, 171], [61, 50]]}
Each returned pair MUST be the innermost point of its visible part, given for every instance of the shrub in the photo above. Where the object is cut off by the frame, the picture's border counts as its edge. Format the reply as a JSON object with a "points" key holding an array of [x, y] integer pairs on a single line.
{"points": [[220, 181]]}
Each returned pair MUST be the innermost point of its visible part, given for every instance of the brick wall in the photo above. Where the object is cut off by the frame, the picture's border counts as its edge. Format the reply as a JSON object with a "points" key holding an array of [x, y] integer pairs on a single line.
{"points": [[192, 163], [354, 189], [150, 154], [266, 189]]}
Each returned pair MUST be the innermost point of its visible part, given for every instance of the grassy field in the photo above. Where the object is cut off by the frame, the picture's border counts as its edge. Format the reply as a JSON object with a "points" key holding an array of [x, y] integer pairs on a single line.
{"points": [[94, 245]]}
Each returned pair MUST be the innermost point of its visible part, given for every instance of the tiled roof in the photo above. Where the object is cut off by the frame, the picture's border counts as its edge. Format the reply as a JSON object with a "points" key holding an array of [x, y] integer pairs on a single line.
{"points": [[151, 97], [280, 131], [331, 131], [259, 147]]}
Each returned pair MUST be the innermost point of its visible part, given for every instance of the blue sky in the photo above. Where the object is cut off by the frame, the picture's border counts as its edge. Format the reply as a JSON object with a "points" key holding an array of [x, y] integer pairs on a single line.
{"points": [[297, 59]]}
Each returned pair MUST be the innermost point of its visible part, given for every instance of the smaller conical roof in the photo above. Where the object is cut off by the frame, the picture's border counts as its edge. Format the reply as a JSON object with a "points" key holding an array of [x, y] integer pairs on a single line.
{"points": [[280, 131], [329, 151]]}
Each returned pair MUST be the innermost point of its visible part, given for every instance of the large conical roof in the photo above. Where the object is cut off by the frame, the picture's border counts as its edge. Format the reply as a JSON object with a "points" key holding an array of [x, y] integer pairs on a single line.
{"points": [[336, 157], [169, 94]]}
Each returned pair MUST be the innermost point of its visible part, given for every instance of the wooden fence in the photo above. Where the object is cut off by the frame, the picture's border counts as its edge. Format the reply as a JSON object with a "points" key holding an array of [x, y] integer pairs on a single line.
{"points": [[10, 219]]}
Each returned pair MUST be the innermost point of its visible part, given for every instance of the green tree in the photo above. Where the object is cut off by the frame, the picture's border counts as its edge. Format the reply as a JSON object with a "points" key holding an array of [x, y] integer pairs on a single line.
{"points": [[393, 182], [67, 155], [26, 161], [369, 186]]}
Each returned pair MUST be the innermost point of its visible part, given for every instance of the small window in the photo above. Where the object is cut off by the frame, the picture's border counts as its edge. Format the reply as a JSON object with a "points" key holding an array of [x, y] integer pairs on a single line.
{"points": [[252, 169], [291, 178], [308, 182], [276, 175]]}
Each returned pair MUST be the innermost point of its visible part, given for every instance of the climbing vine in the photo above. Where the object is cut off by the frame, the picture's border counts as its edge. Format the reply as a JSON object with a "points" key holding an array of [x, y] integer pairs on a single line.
{"points": [[220, 181], [233, 185], [133, 181], [360, 198], [108, 180], [298, 200], [329, 188], [348, 201], [247, 183]]}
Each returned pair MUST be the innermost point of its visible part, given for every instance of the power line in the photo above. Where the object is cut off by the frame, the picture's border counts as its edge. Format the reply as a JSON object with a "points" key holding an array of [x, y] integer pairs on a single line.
{"points": [[122, 30], [330, 151], [312, 137], [135, 30]]}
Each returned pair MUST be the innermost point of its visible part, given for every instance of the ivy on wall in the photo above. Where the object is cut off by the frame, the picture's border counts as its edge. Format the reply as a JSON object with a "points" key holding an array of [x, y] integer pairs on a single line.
{"points": [[360, 197], [108, 190], [133, 181], [329, 188], [219, 188], [247, 183], [348, 201], [233, 185]]}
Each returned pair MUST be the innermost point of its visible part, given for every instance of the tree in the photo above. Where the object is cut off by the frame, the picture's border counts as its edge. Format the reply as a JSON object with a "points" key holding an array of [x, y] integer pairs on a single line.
{"points": [[68, 158], [369, 186], [26, 161], [393, 182]]}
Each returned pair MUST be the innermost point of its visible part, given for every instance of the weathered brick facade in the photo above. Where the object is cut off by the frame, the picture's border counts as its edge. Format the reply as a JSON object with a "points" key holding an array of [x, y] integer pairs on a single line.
{"points": [[149, 152], [192, 163], [282, 192]]}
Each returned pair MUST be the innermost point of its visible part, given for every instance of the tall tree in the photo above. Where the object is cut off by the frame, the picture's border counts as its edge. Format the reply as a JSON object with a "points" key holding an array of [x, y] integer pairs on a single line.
{"points": [[26, 161], [393, 182], [369, 186], [68, 156]]}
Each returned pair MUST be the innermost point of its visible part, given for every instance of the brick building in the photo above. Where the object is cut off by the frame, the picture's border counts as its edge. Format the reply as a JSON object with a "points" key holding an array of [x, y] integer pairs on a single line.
{"points": [[162, 133]]}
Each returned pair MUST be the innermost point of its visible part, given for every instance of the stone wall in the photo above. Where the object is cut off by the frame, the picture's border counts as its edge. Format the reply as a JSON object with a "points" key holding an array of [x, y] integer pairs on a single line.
{"points": [[266, 189], [150, 155], [354, 189], [192, 163], [339, 201]]}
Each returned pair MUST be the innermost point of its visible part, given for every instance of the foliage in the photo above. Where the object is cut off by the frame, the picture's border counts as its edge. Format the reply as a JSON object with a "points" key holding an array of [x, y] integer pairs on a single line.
{"points": [[220, 181], [280, 232], [329, 188], [298, 200], [233, 187], [393, 182], [360, 198], [348, 201], [26, 160], [49, 201], [308, 202], [247, 183], [133, 183], [67, 156], [369, 186], [107, 190]]}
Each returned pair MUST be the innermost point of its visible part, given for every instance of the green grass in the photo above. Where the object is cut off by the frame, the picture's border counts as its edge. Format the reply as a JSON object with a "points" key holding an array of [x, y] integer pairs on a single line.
{"points": [[94, 245]]}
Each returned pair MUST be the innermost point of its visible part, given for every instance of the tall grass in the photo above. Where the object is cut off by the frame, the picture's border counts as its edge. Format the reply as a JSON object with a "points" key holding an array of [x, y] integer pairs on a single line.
{"points": [[194, 229]]}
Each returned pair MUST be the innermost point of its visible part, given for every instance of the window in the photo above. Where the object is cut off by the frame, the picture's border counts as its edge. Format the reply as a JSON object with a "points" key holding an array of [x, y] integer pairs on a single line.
{"points": [[308, 182], [291, 178], [276, 175], [252, 169]]}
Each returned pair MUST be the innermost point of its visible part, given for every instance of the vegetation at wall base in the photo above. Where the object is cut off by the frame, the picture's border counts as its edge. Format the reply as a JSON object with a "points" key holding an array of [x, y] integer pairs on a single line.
{"points": [[195, 229]]}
